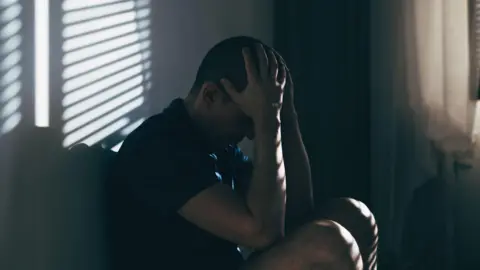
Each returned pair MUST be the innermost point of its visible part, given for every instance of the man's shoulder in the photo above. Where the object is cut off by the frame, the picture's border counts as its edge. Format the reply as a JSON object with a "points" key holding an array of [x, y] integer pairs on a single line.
{"points": [[159, 130], [162, 137], [149, 134]]}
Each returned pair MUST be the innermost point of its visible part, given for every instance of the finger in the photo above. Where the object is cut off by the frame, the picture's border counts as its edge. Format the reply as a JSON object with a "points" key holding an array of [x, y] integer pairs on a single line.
{"points": [[252, 72], [262, 61], [282, 72], [230, 89], [289, 79], [272, 60], [279, 56]]}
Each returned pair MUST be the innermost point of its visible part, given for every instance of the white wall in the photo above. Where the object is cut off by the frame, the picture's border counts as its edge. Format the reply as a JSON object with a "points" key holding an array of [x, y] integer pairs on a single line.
{"points": [[184, 30]]}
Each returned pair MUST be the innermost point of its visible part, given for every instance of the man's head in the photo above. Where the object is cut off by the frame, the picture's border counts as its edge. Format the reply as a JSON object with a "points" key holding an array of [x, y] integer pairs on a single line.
{"points": [[221, 118]]}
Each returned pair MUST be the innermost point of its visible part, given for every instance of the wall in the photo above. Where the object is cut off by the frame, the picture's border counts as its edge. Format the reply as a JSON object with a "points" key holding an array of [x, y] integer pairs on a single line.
{"points": [[183, 32]]}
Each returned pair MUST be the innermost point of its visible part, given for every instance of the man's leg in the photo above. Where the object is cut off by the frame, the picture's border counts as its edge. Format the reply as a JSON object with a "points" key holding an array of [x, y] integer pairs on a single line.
{"points": [[359, 221], [306, 245], [319, 245]]}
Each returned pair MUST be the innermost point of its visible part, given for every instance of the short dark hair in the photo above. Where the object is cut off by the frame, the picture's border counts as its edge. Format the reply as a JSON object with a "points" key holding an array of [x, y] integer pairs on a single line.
{"points": [[225, 60]]}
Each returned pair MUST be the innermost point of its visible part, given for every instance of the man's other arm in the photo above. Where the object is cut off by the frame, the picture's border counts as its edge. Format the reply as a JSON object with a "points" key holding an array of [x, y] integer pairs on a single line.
{"points": [[300, 201]]}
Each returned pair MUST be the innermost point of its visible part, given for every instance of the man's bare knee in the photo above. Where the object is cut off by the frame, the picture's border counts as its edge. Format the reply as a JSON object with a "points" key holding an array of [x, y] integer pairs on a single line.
{"points": [[327, 243], [348, 207], [359, 220]]}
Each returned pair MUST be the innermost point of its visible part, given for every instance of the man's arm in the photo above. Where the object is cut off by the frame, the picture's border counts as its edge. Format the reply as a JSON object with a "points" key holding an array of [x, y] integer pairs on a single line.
{"points": [[260, 216], [266, 193], [300, 201], [257, 219], [261, 101]]}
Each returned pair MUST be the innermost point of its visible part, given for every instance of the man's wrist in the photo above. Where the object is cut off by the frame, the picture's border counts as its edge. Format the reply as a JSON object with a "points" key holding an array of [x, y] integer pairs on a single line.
{"points": [[267, 123]]}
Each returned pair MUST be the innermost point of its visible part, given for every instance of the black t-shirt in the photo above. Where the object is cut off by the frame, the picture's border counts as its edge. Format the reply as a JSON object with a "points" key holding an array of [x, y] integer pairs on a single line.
{"points": [[160, 166]]}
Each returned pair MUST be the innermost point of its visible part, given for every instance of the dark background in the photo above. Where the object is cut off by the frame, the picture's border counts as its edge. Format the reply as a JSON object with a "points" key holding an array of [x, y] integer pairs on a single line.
{"points": [[326, 43]]}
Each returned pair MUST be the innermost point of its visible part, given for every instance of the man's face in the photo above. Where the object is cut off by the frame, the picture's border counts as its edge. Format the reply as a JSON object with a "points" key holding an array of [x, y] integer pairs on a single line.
{"points": [[233, 123], [225, 121]]}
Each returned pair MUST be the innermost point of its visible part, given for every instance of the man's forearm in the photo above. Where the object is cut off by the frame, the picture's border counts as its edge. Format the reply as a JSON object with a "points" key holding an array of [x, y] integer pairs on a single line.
{"points": [[266, 193], [297, 165]]}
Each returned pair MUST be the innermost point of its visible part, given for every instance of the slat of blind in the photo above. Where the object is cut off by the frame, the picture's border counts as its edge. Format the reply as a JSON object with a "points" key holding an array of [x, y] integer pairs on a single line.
{"points": [[10, 69], [106, 67]]}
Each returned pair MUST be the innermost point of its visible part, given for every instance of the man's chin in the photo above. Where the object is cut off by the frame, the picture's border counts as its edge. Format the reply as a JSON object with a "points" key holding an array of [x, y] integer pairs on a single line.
{"points": [[222, 144], [238, 140]]}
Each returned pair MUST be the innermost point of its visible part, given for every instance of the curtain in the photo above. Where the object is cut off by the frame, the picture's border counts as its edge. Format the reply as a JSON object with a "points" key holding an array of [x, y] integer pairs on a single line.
{"points": [[422, 108], [325, 44]]}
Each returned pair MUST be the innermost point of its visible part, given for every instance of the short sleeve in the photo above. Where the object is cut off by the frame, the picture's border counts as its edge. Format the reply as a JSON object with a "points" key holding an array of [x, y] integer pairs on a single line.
{"points": [[166, 180]]}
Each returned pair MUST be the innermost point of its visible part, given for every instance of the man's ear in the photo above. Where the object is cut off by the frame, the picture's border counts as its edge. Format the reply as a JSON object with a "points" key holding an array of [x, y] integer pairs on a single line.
{"points": [[210, 93]]}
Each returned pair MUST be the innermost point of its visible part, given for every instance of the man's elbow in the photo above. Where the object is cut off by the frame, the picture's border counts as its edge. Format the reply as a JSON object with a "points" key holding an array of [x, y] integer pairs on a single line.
{"points": [[267, 239], [260, 237]]}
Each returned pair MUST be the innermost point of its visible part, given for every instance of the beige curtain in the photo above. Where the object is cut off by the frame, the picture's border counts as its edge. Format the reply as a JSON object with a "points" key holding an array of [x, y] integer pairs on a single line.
{"points": [[439, 81], [422, 106]]}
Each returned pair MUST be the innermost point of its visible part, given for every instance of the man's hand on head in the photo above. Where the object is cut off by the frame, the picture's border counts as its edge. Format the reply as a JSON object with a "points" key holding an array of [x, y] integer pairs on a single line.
{"points": [[263, 96], [288, 102], [288, 108]]}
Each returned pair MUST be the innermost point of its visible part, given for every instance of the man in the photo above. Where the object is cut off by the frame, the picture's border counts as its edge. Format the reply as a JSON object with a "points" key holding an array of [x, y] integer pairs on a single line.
{"points": [[184, 196]]}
